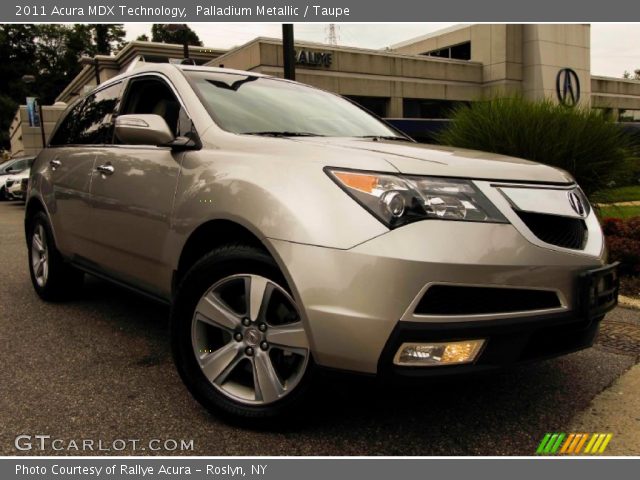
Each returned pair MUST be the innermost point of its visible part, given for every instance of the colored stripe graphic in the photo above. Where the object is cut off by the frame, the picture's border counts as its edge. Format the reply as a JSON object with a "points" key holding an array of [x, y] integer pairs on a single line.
{"points": [[558, 443], [582, 441], [606, 442], [543, 443], [568, 442], [573, 443], [592, 440], [551, 443]]}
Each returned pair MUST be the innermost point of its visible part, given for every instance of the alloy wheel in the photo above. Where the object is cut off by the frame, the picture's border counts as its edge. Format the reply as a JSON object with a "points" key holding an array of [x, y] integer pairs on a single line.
{"points": [[40, 255], [249, 340]]}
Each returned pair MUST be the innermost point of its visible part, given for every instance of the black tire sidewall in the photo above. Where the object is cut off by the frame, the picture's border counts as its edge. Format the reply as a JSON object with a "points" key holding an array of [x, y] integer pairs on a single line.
{"points": [[63, 280], [216, 265]]}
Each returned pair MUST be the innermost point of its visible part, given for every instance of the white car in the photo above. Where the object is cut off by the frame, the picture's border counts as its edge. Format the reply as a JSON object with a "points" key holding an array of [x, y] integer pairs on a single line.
{"points": [[11, 168], [16, 185]]}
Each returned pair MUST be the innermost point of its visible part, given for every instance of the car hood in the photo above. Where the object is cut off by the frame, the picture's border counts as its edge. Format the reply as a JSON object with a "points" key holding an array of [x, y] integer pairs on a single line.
{"points": [[421, 159]]}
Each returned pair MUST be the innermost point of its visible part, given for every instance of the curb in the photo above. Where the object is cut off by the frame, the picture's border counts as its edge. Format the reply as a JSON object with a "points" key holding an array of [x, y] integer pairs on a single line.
{"points": [[628, 302]]}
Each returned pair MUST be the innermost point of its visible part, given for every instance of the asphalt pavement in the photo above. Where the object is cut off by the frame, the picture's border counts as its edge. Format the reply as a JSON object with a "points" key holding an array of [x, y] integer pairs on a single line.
{"points": [[100, 368]]}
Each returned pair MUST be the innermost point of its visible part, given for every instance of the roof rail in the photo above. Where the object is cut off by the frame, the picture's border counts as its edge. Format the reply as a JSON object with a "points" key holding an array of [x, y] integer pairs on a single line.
{"points": [[182, 61]]}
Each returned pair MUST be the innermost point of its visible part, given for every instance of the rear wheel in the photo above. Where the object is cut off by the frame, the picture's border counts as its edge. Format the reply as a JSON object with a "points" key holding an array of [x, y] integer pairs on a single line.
{"points": [[53, 279], [239, 341]]}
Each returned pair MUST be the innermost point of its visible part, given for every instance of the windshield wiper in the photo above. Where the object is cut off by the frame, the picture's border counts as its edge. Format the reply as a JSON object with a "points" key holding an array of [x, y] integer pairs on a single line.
{"points": [[387, 137], [284, 134]]}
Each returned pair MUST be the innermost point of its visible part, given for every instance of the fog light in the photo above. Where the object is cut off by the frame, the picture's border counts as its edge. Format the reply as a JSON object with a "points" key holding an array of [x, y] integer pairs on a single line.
{"points": [[434, 354]]}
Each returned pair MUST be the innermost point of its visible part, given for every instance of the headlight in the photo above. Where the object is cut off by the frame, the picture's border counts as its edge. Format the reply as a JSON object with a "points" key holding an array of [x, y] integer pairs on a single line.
{"points": [[398, 199]]}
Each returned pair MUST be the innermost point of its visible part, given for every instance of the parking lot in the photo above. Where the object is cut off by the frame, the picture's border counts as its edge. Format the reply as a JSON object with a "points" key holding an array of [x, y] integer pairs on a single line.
{"points": [[100, 367]]}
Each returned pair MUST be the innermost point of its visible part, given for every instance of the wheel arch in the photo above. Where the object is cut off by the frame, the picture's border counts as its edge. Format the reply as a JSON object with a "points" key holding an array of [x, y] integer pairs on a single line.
{"points": [[218, 232], [34, 205], [211, 234]]}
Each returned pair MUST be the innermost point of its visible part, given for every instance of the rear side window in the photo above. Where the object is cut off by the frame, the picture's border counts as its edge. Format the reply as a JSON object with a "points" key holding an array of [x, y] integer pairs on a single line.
{"points": [[64, 134], [91, 121]]}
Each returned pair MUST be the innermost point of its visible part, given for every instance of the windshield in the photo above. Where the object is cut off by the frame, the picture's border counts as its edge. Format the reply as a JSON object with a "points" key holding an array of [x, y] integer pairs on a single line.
{"points": [[267, 106]]}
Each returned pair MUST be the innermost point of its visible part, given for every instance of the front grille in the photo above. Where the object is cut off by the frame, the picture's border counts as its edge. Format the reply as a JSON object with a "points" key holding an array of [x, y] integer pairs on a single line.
{"points": [[463, 300], [564, 232]]}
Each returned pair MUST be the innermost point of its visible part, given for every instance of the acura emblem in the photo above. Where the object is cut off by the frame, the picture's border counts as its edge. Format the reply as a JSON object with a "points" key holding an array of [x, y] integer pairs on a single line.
{"points": [[253, 337], [576, 203], [568, 87]]}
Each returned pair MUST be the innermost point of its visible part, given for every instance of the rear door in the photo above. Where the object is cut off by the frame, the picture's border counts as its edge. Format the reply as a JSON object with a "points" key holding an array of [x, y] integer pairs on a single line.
{"points": [[132, 189], [69, 164]]}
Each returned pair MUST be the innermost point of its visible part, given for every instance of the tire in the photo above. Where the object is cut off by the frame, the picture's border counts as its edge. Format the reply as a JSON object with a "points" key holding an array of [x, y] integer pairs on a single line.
{"points": [[200, 344], [3, 194], [53, 279]]}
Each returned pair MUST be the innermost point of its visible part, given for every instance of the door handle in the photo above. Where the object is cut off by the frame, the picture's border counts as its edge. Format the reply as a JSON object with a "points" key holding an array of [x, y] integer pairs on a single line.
{"points": [[55, 164], [106, 169]]}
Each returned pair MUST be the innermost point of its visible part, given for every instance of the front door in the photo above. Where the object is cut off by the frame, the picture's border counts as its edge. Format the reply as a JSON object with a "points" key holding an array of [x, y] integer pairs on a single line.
{"points": [[132, 191]]}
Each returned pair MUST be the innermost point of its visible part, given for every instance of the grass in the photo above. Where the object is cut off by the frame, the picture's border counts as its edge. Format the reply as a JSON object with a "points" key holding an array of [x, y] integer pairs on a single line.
{"points": [[613, 211], [620, 194]]}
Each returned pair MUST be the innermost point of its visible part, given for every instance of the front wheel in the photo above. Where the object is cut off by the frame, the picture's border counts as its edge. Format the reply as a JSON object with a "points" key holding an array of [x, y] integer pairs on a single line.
{"points": [[238, 338]]}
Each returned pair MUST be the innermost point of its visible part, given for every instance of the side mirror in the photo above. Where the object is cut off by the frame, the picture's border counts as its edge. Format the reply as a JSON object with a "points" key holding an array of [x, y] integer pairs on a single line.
{"points": [[143, 129]]}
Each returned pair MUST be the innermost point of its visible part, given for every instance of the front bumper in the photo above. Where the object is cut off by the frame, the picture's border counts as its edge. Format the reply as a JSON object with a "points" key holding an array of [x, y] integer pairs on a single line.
{"points": [[508, 342], [354, 301]]}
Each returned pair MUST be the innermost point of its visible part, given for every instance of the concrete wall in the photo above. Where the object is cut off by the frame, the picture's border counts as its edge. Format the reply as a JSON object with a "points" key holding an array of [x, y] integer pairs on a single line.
{"points": [[615, 93], [26, 140], [367, 72], [547, 48], [518, 58]]}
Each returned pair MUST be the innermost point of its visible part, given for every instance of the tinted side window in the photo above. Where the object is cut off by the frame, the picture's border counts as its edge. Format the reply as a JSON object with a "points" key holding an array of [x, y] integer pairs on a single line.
{"points": [[95, 122], [66, 131], [90, 122]]}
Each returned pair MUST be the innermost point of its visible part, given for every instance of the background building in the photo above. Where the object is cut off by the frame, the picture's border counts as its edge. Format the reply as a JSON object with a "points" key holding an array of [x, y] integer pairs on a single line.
{"points": [[423, 77]]}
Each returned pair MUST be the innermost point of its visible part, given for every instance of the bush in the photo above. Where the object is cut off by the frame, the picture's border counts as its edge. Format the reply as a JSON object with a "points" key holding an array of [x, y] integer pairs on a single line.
{"points": [[623, 240], [585, 142]]}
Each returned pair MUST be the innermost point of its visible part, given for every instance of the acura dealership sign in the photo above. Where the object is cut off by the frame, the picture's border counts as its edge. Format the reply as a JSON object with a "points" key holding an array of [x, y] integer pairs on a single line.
{"points": [[568, 87], [314, 59]]}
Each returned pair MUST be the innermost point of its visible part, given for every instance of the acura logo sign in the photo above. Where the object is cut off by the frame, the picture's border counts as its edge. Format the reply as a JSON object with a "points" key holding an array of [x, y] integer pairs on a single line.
{"points": [[575, 200], [568, 87]]}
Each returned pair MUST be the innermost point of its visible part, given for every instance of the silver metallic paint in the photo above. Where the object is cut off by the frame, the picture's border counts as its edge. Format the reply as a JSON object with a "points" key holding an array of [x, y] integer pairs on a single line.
{"points": [[352, 278]]}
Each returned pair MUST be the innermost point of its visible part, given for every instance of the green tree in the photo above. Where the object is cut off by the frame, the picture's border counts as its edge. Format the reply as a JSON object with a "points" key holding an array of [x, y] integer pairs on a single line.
{"points": [[51, 53], [108, 37], [633, 76], [160, 33], [17, 50]]}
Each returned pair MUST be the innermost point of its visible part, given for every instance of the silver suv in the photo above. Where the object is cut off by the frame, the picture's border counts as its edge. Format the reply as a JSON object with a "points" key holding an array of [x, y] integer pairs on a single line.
{"points": [[291, 230]]}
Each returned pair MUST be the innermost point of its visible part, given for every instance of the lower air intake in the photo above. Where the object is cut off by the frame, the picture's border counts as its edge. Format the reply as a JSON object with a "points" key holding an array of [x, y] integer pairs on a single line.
{"points": [[462, 300]]}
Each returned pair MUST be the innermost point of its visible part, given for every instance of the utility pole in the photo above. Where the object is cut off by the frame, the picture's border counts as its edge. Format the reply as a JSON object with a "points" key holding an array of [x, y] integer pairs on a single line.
{"points": [[288, 51], [332, 35], [184, 29]]}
